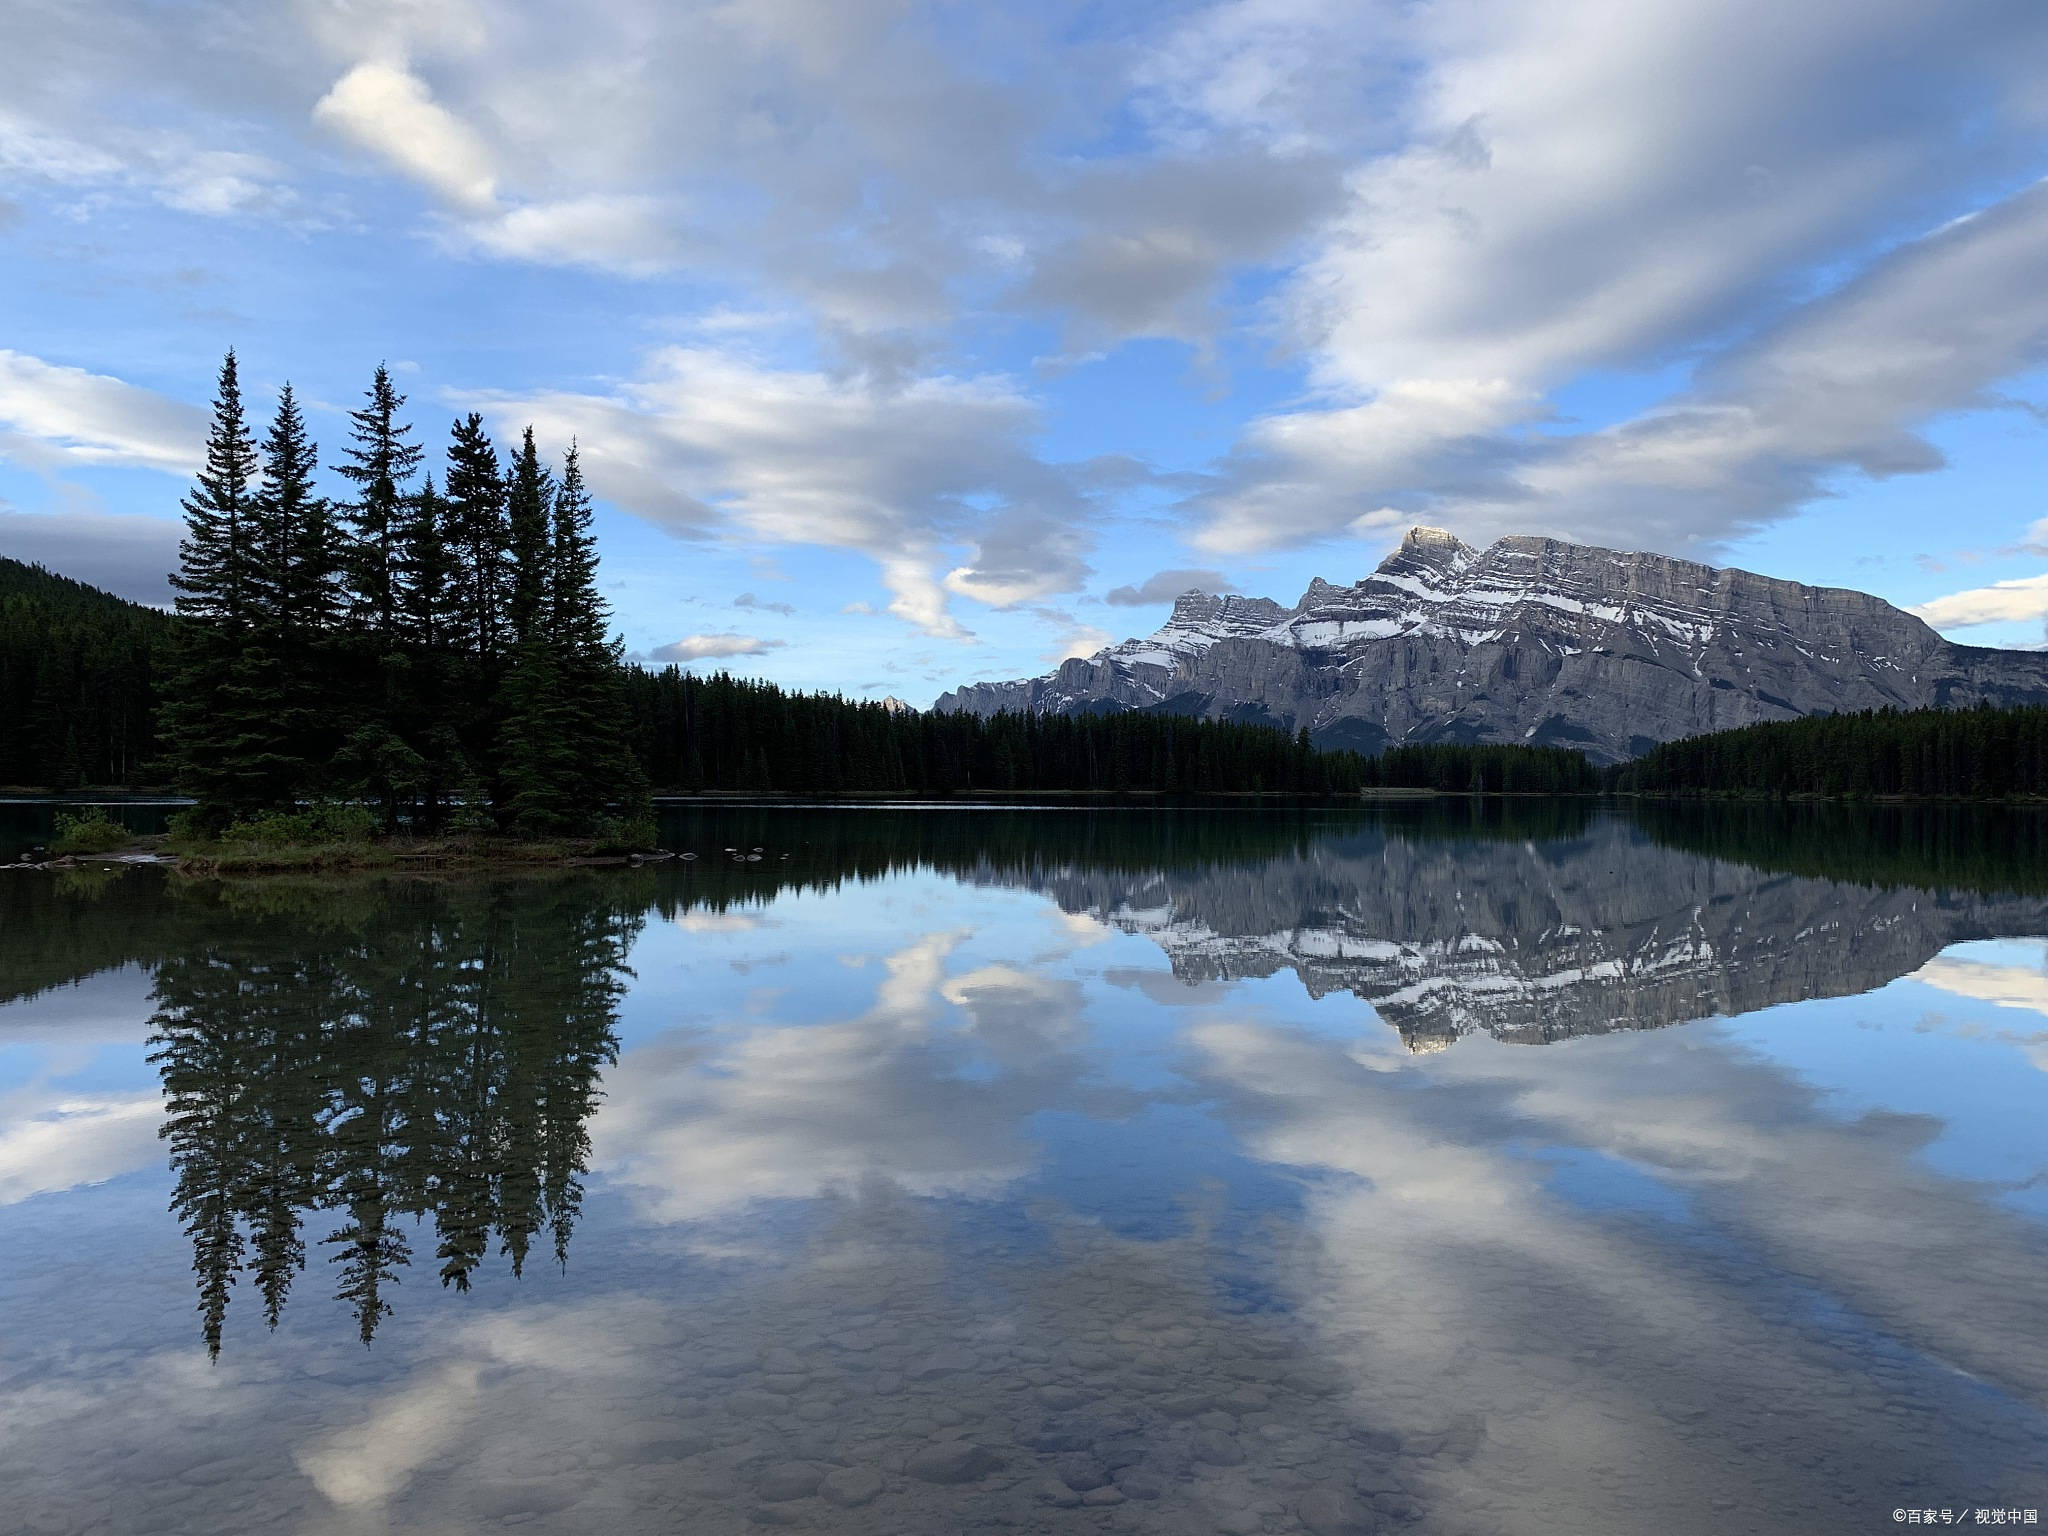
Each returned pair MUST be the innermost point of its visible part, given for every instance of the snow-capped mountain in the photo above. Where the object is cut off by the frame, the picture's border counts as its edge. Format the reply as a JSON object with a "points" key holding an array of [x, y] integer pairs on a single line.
{"points": [[1530, 640]]}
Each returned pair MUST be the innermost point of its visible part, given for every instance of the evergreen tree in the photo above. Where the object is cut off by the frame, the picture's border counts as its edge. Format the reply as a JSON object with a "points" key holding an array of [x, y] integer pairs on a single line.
{"points": [[479, 541], [589, 661], [295, 607], [380, 460], [426, 564], [220, 715], [536, 763], [529, 502], [215, 556]]}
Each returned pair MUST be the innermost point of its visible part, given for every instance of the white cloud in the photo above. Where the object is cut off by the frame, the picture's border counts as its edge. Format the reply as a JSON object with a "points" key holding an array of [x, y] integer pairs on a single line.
{"points": [[78, 417], [626, 233], [903, 473], [390, 112], [2025, 597], [708, 647], [76, 1140], [2009, 986], [1557, 207], [1082, 640]]}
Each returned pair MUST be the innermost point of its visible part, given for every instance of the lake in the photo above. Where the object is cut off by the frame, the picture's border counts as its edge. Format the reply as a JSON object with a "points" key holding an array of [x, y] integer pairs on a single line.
{"points": [[1464, 1167]]}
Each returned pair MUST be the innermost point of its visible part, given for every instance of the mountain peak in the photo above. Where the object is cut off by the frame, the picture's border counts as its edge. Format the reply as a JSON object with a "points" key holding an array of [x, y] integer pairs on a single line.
{"points": [[1533, 640], [1422, 537]]}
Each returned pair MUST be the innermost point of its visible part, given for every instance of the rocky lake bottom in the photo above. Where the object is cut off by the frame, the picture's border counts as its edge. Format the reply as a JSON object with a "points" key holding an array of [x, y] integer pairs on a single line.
{"points": [[1449, 1168]]}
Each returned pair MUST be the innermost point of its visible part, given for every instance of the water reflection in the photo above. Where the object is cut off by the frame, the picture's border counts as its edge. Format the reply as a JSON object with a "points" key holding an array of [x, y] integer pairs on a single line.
{"points": [[1042, 1171], [1537, 941], [378, 1053]]}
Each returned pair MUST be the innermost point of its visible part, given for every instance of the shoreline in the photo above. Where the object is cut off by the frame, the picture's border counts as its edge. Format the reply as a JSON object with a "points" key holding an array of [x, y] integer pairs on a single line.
{"points": [[460, 856]]}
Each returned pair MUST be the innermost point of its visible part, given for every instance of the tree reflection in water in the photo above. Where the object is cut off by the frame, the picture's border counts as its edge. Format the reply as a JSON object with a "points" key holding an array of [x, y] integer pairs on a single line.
{"points": [[370, 1052]]}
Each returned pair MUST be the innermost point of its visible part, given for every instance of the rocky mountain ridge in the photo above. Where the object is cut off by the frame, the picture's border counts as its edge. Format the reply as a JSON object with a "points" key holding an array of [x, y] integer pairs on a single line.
{"points": [[1530, 640]]}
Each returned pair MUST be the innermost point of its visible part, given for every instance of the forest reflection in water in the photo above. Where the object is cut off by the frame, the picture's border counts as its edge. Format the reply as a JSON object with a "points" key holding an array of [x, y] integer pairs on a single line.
{"points": [[946, 1168], [415, 1050]]}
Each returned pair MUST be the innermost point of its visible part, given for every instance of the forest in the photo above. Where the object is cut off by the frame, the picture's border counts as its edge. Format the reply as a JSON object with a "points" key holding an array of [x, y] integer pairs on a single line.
{"points": [[1984, 753], [725, 733], [79, 676]]}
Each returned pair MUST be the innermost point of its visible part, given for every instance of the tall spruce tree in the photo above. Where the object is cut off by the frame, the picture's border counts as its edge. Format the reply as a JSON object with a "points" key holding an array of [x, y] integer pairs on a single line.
{"points": [[529, 507], [380, 460], [426, 572], [479, 544], [537, 755], [428, 614], [597, 714], [220, 708], [295, 607], [478, 539], [213, 578], [377, 759]]}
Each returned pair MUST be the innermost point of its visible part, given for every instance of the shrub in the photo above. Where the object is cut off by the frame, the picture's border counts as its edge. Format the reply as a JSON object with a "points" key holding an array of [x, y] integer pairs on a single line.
{"points": [[310, 826], [621, 834], [89, 831]]}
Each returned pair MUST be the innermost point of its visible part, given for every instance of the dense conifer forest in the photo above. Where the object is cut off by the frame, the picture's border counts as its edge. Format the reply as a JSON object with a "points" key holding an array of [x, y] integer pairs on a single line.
{"points": [[1965, 754], [79, 673], [725, 733]]}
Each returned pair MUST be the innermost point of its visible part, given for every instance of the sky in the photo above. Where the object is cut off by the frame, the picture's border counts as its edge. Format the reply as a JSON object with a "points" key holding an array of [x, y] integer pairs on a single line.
{"points": [[916, 342]]}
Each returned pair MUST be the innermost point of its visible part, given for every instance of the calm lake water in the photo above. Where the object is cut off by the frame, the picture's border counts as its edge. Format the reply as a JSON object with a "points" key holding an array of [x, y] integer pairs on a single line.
{"points": [[1460, 1168]]}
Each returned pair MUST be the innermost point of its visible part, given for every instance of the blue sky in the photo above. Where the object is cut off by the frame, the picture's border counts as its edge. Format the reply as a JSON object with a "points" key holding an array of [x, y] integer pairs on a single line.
{"points": [[899, 336]]}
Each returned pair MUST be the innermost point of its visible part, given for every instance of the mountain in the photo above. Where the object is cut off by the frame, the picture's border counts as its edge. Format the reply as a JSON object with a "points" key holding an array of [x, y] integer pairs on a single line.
{"points": [[1530, 640], [1535, 942]]}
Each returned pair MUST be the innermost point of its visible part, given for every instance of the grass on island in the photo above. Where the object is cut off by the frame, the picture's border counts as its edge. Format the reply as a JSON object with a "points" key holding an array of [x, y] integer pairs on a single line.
{"points": [[335, 837]]}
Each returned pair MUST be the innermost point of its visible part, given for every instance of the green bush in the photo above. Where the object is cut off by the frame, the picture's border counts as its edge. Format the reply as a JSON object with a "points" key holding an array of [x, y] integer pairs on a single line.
{"points": [[89, 831], [622, 834], [312, 826]]}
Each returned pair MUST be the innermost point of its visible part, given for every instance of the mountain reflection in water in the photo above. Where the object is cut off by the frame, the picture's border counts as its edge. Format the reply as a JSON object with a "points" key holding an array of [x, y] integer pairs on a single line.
{"points": [[961, 1170]]}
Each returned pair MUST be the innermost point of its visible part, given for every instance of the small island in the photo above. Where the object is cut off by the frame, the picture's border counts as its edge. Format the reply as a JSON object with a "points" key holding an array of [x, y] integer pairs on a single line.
{"points": [[421, 672]]}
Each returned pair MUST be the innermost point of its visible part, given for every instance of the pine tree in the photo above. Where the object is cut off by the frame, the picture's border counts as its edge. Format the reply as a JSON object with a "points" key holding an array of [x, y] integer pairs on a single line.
{"points": [[596, 712], [529, 502], [426, 567], [478, 540], [295, 609], [213, 578], [220, 713], [380, 460], [538, 747], [435, 674]]}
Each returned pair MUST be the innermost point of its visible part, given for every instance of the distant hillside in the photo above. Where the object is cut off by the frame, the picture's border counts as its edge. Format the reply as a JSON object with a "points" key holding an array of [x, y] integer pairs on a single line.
{"points": [[1935, 754], [78, 677], [1531, 640]]}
